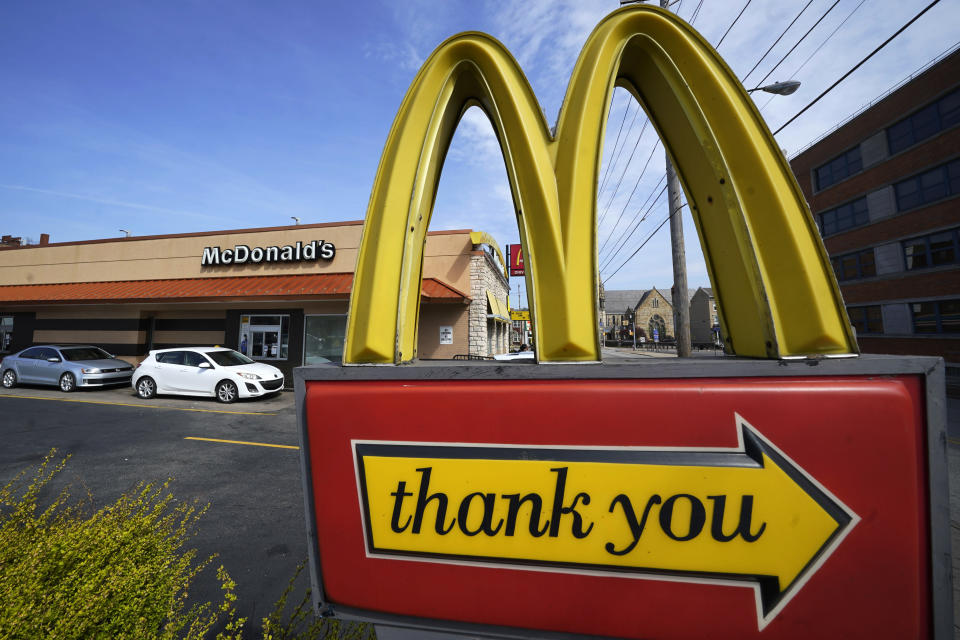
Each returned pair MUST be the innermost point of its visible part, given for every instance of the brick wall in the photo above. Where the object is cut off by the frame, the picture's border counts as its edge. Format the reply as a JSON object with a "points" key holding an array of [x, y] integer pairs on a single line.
{"points": [[893, 288]]}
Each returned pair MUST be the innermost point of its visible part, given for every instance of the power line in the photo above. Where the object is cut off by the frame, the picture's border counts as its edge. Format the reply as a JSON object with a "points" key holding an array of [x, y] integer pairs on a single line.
{"points": [[665, 220], [809, 2], [692, 20], [857, 66], [804, 37], [613, 153], [636, 184], [696, 12], [797, 71], [622, 242], [627, 166], [628, 231], [733, 23]]}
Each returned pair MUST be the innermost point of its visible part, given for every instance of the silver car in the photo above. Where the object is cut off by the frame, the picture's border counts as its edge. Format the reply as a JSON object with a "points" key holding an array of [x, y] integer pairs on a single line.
{"points": [[67, 367]]}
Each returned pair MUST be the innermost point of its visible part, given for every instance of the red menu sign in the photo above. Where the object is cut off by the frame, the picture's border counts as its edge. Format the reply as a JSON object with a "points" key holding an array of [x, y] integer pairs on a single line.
{"points": [[516, 259]]}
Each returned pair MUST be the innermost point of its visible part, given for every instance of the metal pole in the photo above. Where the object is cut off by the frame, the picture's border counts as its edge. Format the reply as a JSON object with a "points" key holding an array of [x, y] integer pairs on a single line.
{"points": [[681, 307]]}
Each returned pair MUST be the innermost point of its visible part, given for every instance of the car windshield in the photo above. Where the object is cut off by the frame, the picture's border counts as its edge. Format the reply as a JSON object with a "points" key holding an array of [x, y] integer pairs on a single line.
{"points": [[85, 353], [228, 358]]}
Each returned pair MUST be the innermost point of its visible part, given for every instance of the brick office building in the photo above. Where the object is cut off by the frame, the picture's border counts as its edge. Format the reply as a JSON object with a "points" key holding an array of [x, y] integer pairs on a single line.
{"points": [[884, 188]]}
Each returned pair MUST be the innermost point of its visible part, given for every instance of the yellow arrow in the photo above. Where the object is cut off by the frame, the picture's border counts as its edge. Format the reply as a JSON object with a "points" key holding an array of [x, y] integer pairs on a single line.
{"points": [[746, 515]]}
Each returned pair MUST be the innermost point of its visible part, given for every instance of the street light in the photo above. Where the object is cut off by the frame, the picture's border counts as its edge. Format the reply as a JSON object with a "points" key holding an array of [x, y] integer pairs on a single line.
{"points": [[295, 219], [784, 88], [126, 234]]}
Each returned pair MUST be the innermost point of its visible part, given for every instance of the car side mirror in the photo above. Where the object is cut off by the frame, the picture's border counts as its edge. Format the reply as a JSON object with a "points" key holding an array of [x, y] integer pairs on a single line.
{"points": [[53, 359], [205, 365]]}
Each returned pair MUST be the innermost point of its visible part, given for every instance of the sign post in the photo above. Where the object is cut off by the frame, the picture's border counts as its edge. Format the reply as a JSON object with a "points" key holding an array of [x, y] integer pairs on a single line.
{"points": [[800, 492]]}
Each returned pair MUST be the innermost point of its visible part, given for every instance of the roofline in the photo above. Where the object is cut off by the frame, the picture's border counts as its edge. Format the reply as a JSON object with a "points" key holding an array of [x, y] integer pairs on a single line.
{"points": [[902, 84], [327, 297], [315, 225]]}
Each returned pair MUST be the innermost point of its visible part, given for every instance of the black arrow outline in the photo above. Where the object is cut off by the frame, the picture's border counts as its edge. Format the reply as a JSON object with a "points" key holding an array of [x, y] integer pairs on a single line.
{"points": [[752, 445]]}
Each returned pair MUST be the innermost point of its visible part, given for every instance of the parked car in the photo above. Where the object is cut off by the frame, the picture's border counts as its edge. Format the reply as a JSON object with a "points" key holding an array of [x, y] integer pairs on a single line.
{"points": [[516, 355], [205, 371], [66, 366]]}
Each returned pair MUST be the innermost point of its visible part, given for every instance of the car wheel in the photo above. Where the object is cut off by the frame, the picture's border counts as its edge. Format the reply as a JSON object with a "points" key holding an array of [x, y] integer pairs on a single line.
{"points": [[9, 379], [146, 388], [227, 392], [68, 383]]}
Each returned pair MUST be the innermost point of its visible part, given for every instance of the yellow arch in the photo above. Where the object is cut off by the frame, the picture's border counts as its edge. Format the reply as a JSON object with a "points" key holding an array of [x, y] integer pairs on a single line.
{"points": [[482, 237], [776, 290]]}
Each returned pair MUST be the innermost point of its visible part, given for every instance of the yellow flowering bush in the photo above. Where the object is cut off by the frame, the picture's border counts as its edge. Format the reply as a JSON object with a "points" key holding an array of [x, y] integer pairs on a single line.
{"points": [[121, 572]]}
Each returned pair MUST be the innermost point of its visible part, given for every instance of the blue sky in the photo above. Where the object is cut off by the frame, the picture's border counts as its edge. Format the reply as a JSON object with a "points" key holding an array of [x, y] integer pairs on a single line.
{"points": [[175, 117]]}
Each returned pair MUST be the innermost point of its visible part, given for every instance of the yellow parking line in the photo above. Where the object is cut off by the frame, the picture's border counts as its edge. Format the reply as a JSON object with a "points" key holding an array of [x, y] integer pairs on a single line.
{"points": [[141, 406], [253, 444], [953, 441]]}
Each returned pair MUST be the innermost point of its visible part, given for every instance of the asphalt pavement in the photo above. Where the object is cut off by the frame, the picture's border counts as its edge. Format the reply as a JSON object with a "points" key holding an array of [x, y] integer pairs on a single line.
{"points": [[255, 521]]}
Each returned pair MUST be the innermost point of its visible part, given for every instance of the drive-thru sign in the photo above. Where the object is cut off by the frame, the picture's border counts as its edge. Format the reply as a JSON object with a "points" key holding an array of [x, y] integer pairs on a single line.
{"points": [[797, 494]]}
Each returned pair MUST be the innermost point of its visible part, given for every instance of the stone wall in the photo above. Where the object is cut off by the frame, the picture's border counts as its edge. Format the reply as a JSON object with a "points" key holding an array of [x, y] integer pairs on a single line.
{"points": [[486, 337], [655, 304]]}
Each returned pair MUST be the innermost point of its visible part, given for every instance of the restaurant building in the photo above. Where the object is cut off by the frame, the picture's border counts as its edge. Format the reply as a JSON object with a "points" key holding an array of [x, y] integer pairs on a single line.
{"points": [[277, 294]]}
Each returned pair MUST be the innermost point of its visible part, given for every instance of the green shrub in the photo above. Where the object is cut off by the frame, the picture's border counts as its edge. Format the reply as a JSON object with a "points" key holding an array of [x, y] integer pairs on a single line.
{"points": [[67, 571], [302, 623], [121, 572]]}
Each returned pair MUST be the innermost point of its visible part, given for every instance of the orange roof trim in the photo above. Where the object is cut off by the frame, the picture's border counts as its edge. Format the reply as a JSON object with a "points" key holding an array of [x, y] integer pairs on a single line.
{"points": [[314, 285]]}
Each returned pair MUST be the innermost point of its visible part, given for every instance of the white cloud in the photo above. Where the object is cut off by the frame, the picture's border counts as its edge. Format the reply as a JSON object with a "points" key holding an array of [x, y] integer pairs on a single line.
{"points": [[402, 54]]}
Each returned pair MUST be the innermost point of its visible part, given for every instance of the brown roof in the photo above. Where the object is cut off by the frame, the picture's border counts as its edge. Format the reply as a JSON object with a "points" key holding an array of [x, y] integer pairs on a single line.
{"points": [[314, 285]]}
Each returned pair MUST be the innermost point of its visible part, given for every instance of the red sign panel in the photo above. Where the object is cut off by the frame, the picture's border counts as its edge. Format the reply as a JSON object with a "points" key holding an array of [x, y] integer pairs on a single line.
{"points": [[515, 252], [720, 508]]}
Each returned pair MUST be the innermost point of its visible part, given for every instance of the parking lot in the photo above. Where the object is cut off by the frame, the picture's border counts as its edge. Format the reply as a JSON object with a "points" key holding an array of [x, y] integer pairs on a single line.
{"points": [[241, 458]]}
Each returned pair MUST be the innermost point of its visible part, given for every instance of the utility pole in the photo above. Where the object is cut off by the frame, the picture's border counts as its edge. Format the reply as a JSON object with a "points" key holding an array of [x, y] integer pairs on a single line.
{"points": [[681, 308]]}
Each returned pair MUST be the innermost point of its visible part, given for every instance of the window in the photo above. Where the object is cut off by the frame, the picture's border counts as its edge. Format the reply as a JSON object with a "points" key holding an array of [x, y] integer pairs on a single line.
{"points": [[171, 357], [32, 353], [6, 332], [917, 127], [942, 316], [193, 359], [265, 337], [929, 186], [840, 168], [84, 353], [323, 338], [846, 216], [655, 303], [46, 353], [854, 265], [866, 319], [931, 250], [657, 328], [229, 358]]}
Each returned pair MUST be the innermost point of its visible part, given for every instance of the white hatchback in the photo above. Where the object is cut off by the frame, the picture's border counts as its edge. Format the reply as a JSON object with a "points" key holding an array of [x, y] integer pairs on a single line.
{"points": [[205, 371]]}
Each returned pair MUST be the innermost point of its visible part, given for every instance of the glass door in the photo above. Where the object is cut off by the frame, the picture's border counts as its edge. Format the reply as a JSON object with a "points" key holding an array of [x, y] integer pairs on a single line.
{"points": [[6, 333], [264, 337], [323, 338]]}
